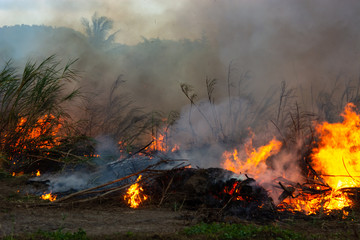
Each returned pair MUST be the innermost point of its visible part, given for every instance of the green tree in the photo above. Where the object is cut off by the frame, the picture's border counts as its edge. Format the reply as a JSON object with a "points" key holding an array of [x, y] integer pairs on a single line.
{"points": [[98, 31]]}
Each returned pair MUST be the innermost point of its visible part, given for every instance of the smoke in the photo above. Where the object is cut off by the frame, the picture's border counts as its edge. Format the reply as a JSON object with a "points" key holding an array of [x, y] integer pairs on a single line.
{"points": [[312, 45], [236, 128], [68, 182], [304, 43]]}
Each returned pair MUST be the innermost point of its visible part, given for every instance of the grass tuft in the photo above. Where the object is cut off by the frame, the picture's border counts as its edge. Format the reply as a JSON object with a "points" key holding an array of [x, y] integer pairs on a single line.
{"points": [[32, 108], [238, 231]]}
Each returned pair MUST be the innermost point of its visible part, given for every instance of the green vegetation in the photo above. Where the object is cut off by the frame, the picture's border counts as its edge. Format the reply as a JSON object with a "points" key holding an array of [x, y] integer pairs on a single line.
{"points": [[238, 231], [326, 229], [32, 109], [36, 125], [97, 31]]}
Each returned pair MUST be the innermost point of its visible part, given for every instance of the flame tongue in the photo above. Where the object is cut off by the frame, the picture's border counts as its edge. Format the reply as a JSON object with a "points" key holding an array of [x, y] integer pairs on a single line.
{"points": [[337, 156], [134, 195], [48, 196], [43, 125], [314, 203], [255, 162]]}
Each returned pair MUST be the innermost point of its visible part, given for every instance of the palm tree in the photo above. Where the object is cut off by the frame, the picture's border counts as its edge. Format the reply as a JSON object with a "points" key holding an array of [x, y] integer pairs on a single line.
{"points": [[98, 30]]}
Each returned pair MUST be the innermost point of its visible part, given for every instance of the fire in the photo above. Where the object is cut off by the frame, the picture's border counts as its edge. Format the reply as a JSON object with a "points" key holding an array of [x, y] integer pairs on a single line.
{"points": [[17, 174], [37, 173], [337, 160], [337, 156], [92, 155], [234, 189], [312, 204], [43, 125], [255, 162], [134, 195], [48, 196], [175, 148], [160, 143]]}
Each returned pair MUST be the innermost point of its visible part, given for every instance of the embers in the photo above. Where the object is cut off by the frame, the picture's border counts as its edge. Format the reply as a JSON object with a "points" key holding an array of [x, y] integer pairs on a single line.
{"points": [[214, 188], [237, 190], [243, 198]]}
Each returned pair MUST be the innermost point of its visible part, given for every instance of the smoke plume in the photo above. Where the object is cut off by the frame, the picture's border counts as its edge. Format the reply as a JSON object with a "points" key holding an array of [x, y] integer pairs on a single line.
{"points": [[157, 46]]}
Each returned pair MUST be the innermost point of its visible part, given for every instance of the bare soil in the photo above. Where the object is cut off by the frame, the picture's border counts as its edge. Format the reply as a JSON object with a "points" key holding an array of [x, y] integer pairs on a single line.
{"points": [[93, 221], [21, 214]]}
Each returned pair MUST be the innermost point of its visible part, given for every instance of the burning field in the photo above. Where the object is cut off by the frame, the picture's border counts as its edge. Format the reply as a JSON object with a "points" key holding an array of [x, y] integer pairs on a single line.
{"points": [[202, 169], [186, 127], [251, 184]]}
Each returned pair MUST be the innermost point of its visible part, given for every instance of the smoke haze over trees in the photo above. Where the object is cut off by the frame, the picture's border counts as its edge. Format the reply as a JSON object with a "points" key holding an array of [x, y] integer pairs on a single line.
{"points": [[307, 44], [147, 68], [153, 47], [224, 66]]}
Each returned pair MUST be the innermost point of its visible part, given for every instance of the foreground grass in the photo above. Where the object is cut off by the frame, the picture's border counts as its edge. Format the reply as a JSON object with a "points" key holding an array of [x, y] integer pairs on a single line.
{"points": [[200, 231], [239, 231], [315, 229], [212, 231]]}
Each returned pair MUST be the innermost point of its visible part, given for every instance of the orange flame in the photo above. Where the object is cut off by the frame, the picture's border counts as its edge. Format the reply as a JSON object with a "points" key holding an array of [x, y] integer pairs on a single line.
{"points": [[337, 159], [338, 154], [17, 174], [160, 143], [48, 196], [312, 204], [37, 173], [232, 190], [134, 195], [43, 125], [255, 162]]}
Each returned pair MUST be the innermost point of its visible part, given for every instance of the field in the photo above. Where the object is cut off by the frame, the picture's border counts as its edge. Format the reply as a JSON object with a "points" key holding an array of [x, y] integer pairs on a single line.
{"points": [[28, 217], [226, 164]]}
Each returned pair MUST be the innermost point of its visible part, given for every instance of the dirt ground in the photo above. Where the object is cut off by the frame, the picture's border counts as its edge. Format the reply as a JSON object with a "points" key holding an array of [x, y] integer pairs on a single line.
{"points": [[93, 221], [21, 213]]}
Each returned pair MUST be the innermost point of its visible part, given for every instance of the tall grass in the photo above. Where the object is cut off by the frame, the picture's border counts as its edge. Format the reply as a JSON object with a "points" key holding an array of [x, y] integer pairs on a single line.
{"points": [[228, 119], [113, 113], [38, 92], [331, 101]]}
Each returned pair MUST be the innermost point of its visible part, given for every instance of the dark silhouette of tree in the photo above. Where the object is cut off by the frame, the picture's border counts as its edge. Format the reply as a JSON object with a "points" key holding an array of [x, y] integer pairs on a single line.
{"points": [[98, 31]]}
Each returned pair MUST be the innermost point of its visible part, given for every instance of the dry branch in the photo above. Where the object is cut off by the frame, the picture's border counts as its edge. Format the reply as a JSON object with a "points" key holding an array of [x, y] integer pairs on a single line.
{"points": [[166, 190], [86, 191], [97, 189]]}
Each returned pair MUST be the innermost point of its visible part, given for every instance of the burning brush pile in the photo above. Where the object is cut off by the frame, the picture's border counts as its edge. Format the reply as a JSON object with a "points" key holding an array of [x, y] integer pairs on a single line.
{"points": [[246, 185], [266, 181]]}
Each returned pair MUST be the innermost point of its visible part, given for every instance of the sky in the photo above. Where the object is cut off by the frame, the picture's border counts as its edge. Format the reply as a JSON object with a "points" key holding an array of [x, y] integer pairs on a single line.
{"points": [[133, 17], [305, 41]]}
